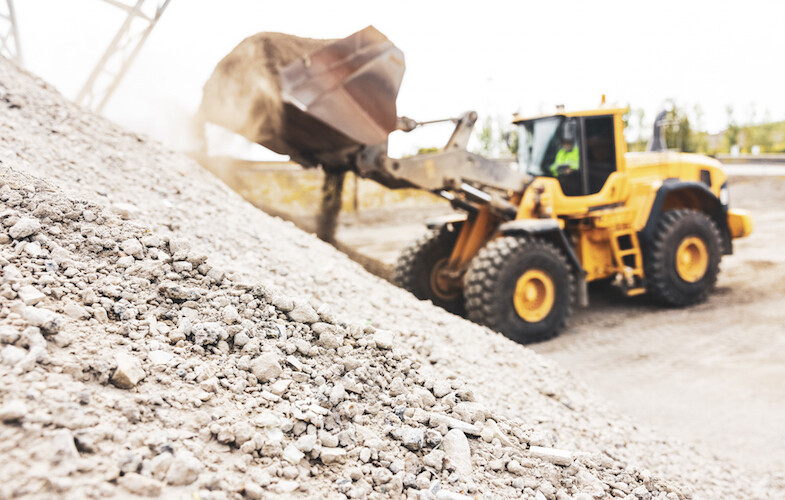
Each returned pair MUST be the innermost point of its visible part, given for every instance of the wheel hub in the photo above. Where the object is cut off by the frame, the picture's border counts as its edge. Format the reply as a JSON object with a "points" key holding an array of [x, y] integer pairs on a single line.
{"points": [[534, 295], [692, 259], [442, 284]]}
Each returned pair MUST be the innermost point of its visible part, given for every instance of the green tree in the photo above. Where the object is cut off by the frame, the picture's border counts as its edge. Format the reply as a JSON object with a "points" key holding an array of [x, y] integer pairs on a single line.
{"points": [[678, 130], [486, 137], [733, 129], [497, 137]]}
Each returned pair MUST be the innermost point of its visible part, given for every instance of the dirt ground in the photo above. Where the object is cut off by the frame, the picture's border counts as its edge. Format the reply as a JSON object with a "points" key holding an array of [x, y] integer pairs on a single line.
{"points": [[711, 375]]}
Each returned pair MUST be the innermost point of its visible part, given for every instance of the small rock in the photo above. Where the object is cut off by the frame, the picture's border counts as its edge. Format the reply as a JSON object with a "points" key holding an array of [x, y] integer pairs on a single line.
{"points": [[12, 410], [282, 303], [331, 455], [184, 470], [48, 321], [160, 464], [449, 495], [230, 315], [306, 443], [75, 311], [434, 459], [179, 248], [126, 262], [208, 333], [410, 437], [383, 339], [128, 373], [286, 486], [381, 475], [12, 355], [280, 386], [25, 227], [558, 457], [241, 338], [266, 367], [140, 485], [330, 341], [327, 439], [182, 266], [8, 334], [30, 295], [292, 454], [303, 313], [132, 246], [441, 388], [253, 491], [457, 454], [159, 357]]}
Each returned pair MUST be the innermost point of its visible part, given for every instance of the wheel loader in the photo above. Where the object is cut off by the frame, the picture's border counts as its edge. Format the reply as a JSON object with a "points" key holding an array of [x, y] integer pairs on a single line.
{"points": [[529, 235]]}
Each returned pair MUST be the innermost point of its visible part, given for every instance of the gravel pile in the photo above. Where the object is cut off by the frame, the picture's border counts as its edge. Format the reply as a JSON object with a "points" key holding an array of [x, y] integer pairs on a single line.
{"points": [[132, 363]]}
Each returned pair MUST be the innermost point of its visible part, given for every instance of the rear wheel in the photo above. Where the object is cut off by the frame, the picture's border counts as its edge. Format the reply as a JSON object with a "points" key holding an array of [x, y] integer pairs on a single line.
{"points": [[683, 259], [521, 287], [420, 270]]}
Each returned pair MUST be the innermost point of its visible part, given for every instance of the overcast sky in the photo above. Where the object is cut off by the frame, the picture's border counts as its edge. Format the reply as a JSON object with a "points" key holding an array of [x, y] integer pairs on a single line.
{"points": [[496, 57]]}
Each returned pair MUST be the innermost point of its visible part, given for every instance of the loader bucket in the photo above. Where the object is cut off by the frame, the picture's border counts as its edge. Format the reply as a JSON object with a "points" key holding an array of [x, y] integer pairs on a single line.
{"points": [[339, 98]]}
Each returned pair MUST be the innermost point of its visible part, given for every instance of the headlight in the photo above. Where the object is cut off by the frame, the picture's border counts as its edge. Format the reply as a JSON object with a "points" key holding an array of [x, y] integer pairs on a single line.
{"points": [[724, 195]]}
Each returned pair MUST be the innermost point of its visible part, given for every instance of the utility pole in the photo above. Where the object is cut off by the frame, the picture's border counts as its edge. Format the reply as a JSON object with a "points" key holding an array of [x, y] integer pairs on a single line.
{"points": [[9, 34], [125, 46]]}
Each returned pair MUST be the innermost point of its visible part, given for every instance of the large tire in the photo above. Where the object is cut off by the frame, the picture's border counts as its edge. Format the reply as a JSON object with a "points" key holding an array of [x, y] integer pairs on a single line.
{"points": [[683, 258], [417, 267], [521, 287]]}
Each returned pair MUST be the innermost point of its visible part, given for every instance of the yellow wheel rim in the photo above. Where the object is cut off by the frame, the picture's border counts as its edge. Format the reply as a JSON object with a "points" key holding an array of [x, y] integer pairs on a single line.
{"points": [[443, 287], [534, 295], [692, 259]]}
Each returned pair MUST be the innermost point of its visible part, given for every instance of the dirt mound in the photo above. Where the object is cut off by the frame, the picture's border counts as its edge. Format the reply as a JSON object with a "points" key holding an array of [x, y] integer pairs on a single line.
{"points": [[243, 94], [275, 367]]}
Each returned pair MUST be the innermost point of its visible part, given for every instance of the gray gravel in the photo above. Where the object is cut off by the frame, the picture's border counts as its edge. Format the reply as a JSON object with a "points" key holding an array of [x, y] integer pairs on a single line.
{"points": [[272, 365]]}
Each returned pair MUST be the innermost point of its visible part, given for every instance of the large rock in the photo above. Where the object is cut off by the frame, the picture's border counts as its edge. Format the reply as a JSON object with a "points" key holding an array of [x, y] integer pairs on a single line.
{"points": [[128, 373], [183, 471], [303, 313], [12, 410], [132, 246], [457, 454], [26, 226], [30, 295], [266, 367], [140, 485], [11, 355], [48, 321], [383, 339]]}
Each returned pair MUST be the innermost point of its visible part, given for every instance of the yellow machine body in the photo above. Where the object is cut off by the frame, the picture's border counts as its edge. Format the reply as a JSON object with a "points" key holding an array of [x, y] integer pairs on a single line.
{"points": [[603, 227]]}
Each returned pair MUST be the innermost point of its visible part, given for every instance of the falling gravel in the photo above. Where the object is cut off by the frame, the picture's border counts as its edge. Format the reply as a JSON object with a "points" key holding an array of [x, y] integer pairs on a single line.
{"points": [[161, 337]]}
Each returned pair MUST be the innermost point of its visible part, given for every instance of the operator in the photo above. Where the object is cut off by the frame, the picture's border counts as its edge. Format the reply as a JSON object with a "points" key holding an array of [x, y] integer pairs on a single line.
{"points": [[568, 157]]}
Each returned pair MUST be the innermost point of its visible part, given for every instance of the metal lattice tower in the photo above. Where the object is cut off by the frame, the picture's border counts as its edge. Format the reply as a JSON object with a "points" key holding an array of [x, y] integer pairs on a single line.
{"points": [[9, 35], [113, 65]]}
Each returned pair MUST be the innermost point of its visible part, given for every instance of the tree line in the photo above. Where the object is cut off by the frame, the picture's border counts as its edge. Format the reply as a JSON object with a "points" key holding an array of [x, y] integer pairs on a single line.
{"points": [[683, 129]]}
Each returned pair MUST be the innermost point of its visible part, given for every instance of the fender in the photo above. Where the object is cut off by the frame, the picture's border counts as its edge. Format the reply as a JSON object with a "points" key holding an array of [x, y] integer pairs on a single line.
{"points": [[709, 204]]}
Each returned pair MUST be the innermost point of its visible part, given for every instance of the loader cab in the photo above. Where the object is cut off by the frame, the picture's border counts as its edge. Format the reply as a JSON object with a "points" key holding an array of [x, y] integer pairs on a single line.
{"points": [[578, 150]]}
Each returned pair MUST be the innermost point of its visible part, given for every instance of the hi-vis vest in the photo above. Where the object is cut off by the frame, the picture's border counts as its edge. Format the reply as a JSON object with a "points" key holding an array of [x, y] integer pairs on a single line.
{"points": [[571, 158]]}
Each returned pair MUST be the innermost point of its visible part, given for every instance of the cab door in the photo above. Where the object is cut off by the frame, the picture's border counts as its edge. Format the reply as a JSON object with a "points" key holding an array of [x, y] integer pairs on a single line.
{"points": [[598, 182]]}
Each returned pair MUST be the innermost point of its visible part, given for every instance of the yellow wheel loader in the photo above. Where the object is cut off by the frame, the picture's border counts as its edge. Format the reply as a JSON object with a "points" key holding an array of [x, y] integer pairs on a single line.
{"points": [[529, 235]]}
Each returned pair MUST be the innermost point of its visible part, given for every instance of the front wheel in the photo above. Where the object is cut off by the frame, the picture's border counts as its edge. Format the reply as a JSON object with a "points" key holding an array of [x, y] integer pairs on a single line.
{"points": [[683, 259], [521, 287]]}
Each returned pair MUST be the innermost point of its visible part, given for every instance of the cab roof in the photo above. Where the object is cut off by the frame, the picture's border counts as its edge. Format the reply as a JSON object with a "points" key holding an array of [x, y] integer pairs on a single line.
{"points": [[590, 112]]}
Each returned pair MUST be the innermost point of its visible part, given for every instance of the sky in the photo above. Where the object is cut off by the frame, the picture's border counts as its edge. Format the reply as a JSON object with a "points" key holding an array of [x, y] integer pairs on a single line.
{"points": [[495, 57]]}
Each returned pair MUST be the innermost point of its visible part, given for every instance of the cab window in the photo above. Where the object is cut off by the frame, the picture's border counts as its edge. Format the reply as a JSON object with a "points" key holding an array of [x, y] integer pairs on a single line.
{"points": [[600, 151]]}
